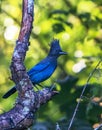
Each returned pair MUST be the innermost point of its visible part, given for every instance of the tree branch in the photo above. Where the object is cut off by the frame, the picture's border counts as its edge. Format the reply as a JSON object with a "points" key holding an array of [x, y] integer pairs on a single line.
{"points": [[22, 115]]}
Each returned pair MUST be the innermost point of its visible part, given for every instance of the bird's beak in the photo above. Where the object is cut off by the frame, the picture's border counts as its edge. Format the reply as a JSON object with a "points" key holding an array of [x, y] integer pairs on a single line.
{"points": [[63, 53]]}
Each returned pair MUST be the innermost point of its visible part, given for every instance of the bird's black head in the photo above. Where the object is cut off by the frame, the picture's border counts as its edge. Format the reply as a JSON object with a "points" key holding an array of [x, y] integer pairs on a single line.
{"points": [[55, 49]]}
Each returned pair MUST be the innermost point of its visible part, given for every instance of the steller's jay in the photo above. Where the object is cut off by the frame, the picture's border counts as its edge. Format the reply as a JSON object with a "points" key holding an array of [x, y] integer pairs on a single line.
{"points": [[44, 69]]}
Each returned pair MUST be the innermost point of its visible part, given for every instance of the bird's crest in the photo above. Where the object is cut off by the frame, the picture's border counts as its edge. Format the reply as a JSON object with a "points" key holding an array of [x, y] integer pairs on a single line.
{"points": [[55, 49], [55, 44]]}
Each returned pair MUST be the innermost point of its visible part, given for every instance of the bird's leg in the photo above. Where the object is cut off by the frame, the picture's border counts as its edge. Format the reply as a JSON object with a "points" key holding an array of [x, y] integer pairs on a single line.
{"points": [[40, 85], [52, 87], [36, 86]]}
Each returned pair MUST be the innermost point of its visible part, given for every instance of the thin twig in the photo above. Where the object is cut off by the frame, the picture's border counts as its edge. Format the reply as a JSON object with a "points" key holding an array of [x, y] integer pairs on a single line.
{"points": [[91, 74]]}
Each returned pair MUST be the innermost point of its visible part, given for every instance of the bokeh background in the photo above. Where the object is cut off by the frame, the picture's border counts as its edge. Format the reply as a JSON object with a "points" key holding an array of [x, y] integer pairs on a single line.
{"points": [[78, 26]]}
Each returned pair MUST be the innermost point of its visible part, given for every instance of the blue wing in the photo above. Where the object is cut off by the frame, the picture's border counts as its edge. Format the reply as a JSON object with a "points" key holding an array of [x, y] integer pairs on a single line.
{"points": [[38, 68]]}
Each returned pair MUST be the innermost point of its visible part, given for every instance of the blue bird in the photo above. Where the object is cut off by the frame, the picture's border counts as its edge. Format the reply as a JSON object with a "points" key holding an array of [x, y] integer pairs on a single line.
{"points": [[44, 69]]}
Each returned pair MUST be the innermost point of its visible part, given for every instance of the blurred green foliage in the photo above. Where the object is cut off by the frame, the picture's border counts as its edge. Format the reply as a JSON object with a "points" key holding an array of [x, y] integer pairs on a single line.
{"points": [[78, 26]]}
